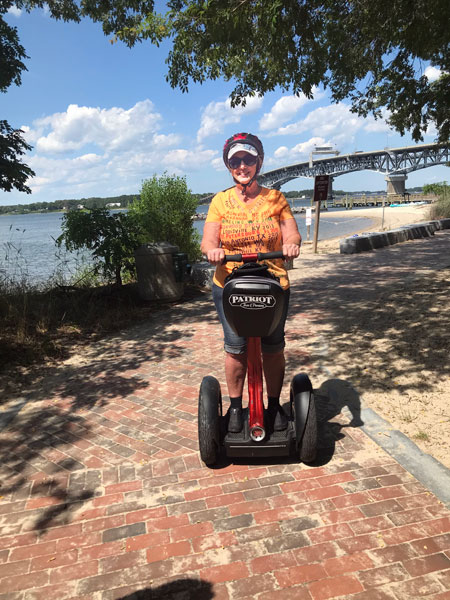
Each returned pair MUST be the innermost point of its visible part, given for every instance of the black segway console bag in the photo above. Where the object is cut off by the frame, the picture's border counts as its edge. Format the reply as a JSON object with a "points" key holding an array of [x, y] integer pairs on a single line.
{"points": [[253, 301]]}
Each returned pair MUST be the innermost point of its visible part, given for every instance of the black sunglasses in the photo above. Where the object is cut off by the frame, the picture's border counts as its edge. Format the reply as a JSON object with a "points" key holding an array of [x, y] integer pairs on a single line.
{"points": [[247, 159]]}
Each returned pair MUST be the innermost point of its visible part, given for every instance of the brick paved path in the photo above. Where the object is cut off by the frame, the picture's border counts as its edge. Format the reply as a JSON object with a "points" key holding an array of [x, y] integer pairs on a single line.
{"points": [[103, 494]]}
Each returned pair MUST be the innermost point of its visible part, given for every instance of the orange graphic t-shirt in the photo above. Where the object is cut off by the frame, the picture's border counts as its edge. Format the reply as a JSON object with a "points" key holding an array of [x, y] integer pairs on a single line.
{"points": [[247, 227]]}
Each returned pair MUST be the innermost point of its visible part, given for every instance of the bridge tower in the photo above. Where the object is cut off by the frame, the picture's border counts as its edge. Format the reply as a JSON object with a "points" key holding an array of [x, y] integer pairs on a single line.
{"points": [[396, 184]]}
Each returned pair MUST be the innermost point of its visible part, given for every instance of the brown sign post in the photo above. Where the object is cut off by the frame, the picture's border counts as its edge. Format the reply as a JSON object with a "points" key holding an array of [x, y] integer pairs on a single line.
{"points": [[321, 183]]}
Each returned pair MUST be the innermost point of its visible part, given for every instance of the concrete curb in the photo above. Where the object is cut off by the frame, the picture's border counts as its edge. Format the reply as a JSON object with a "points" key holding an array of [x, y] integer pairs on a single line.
{"points": [[426, 469], [371, 241]]}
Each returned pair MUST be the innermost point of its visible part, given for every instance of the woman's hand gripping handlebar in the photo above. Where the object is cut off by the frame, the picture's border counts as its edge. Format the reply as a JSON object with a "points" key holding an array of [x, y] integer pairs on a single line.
{"points": [[254, 257], [217, 256]]}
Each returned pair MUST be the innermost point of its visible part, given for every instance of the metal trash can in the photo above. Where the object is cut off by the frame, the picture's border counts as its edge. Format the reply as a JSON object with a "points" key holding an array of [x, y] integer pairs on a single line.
{"points": [[181, 266], [156, 272]]}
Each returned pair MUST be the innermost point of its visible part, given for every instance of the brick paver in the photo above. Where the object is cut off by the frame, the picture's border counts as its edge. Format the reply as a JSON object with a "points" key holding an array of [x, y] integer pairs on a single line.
{"points": [[104, 496]]}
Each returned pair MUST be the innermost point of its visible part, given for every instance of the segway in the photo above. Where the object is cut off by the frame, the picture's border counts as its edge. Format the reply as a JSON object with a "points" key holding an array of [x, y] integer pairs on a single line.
{"points": [[253, 302]]}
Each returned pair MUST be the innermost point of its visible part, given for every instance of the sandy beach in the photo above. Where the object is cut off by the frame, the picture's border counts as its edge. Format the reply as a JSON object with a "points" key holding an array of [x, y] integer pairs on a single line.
{"points": [[383, 220]]}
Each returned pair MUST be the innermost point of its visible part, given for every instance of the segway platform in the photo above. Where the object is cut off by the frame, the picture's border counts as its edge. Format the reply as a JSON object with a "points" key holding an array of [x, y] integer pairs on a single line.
{"points": [[275, 443]]}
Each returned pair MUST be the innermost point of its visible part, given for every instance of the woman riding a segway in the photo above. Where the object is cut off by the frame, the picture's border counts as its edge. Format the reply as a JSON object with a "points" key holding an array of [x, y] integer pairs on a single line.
{"points": [[247, 219]]}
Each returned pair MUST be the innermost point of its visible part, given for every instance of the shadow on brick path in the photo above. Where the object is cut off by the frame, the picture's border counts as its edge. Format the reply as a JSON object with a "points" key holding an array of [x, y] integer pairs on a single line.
{"points": [[357, 307], [180, 588], [57, 399]]}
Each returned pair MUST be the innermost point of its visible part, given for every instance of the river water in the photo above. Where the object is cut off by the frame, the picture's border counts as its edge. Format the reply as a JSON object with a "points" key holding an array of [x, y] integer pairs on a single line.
{"points": [[28, 250]]}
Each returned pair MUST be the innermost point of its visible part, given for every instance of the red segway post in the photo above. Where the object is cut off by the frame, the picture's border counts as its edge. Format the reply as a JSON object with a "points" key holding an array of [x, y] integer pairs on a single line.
{"points": [[255, 390]]}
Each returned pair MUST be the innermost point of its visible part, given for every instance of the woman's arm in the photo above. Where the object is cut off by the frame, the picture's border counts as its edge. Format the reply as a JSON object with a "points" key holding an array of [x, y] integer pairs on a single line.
{"points": [[211, 243], [291, 238]]}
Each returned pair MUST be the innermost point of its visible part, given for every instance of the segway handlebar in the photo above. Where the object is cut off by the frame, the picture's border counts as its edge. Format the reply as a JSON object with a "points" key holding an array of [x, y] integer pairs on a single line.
{"points": [[255, 257]]}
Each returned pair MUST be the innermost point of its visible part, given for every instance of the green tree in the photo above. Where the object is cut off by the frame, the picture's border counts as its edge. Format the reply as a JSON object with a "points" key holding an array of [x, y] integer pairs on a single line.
{"points": [[112, 239], [439, 189], [114, 15], [165, 213], [13, 173], [373, 53]]}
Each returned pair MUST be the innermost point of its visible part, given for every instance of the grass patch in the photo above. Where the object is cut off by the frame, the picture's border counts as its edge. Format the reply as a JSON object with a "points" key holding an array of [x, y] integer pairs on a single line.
{"points": [[49, 321], [441, 208], [422, 436], [41, 325]]}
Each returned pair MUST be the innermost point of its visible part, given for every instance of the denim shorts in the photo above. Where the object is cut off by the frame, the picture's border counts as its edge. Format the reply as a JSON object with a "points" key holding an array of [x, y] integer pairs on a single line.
{"points": [[234, 344]]}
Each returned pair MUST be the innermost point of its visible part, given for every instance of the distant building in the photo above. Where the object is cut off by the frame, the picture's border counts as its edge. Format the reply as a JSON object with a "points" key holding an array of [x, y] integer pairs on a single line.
{"points": [[112, 204], [80, 206]]}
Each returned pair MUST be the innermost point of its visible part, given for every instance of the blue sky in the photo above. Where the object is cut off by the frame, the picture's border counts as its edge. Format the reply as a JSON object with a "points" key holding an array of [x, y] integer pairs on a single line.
{"points": [[101, 119]]}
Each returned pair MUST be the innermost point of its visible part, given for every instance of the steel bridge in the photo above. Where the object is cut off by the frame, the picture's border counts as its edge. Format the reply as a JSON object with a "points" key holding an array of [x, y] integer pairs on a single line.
{"points": [[394, 163]]}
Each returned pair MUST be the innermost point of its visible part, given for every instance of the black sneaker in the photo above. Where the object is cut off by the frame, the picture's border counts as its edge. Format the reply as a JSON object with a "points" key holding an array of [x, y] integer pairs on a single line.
{"points": [[278, 417], [235, 422]]}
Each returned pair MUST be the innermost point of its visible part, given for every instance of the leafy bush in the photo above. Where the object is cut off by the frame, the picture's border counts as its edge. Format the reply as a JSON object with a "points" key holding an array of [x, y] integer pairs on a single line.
{"points": [[111, 237], [165, 213]]}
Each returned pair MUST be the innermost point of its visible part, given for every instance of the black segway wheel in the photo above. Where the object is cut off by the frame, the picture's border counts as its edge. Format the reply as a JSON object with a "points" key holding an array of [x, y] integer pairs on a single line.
{"points": [[209, 413], [304, 415]]}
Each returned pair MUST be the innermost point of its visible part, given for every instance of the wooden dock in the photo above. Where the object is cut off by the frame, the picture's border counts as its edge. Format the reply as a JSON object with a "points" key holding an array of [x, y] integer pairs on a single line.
{"points": [[349, 201]]}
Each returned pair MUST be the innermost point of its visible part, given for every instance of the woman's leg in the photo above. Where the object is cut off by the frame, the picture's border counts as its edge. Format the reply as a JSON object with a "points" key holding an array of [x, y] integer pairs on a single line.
{"points": [[273, 366], [235, 371], [235, 364]]}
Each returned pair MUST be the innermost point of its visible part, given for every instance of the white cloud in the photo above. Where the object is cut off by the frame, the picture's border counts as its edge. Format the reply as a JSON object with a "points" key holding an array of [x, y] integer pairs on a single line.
{"points": [[218, 164], [166, 141], [372, 125], [284, 109], [182, 160], [432, 73], [14, 11], [336, 123], [109, 129], [88, 159], [431, 131], [331, 121], [377, 126], [304, 149], [298, 153], [281, 152], [95, 151], [219, 114]]}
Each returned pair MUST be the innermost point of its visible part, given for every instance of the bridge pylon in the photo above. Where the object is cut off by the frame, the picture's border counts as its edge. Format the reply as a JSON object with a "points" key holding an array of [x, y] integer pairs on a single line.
{"points": [[330, 190], [396, 184]]}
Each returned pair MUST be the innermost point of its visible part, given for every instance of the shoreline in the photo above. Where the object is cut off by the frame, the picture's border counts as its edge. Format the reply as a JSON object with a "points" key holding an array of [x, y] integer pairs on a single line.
{"points": [[393, 218]]}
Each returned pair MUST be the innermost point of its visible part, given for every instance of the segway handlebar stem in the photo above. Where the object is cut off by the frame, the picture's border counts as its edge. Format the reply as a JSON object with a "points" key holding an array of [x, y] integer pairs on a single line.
{"points": [[255, 257]]}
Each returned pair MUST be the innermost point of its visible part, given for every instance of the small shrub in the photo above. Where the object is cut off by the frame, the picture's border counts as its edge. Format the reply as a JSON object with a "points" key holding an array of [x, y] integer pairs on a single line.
{"points": [[111, 237], [165, 213]]}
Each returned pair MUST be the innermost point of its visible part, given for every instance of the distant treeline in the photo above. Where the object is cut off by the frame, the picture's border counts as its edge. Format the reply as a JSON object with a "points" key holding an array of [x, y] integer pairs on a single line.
{"points": [[309, 193], [60, 205], [126, 199]]}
